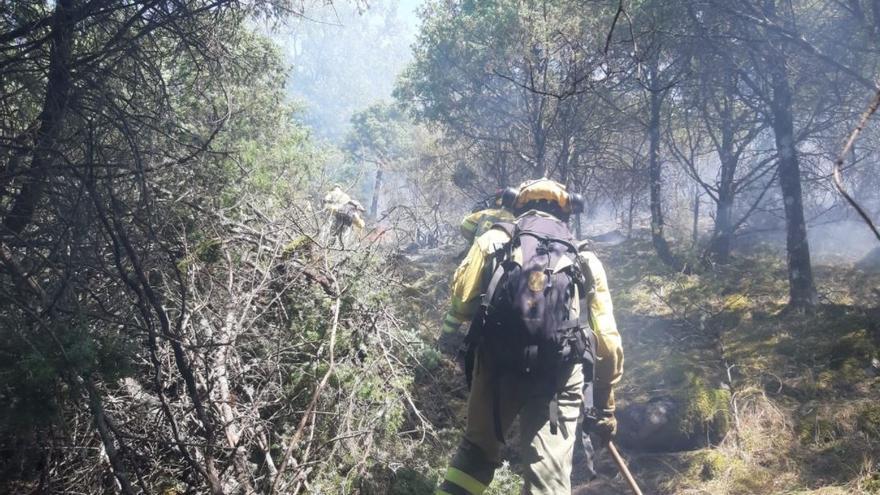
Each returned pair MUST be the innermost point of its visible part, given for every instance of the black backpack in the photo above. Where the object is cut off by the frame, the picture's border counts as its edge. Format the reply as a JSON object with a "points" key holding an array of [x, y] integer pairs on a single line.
{"points": [[525, 319]]}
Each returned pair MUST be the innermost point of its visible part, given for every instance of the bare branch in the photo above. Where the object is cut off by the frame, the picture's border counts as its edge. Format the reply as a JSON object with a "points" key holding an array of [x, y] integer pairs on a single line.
{"points": [[838, 180]]}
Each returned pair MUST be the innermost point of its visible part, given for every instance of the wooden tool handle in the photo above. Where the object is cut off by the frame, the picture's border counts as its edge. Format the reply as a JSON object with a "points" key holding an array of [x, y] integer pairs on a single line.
{"points": [[623, 469]]}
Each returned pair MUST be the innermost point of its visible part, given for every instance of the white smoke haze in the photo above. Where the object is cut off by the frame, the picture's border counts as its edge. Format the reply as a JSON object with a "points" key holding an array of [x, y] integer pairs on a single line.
{"points": [[832, 243], [844, 241], [345, 57]]}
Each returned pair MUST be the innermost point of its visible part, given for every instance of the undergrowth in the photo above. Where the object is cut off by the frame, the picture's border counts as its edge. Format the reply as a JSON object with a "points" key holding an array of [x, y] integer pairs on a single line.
{"points": [[783, 403], [799, 390]]}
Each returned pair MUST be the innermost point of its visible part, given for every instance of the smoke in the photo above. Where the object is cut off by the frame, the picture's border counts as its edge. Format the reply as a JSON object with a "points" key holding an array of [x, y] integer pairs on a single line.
{"points": [[831, 243], [598, 220], [345, 57], [846, 241]]}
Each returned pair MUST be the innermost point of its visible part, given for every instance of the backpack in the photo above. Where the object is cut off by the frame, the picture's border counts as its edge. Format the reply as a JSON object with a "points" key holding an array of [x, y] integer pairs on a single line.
{"points": [[526, 320]]}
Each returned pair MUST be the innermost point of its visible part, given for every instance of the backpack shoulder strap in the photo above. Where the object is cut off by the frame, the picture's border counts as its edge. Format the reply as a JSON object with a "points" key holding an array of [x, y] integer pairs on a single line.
{"points": [[496, 270], [587, 287], [489, 295], [547, 230], [584, 256], [508, 228]]}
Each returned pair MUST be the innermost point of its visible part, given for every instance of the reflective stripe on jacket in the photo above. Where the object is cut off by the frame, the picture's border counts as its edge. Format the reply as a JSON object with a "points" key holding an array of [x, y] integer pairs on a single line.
{"points": [[476, 224]]}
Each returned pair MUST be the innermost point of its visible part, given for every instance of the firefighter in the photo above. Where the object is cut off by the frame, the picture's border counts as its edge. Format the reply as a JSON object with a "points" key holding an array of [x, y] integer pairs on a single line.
{"points": [[344, 213], [486, 214], [548, 415]]}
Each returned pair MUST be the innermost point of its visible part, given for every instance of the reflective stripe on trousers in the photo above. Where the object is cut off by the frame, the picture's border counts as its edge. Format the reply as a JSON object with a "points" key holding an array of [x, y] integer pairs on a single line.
{"points": [[546, 457]]}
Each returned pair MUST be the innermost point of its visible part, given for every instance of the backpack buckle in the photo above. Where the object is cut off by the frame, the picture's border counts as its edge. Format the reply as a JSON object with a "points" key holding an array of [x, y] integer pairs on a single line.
{"points": [[530, 357]]}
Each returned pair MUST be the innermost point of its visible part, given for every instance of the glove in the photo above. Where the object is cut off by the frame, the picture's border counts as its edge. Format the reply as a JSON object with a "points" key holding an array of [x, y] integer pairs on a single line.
{"points": [[450, 324], [605, 429], [450, 341], [605, 426]]}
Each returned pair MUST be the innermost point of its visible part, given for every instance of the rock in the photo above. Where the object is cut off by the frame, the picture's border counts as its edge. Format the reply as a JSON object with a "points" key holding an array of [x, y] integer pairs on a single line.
{"points": [[686, 419], [655, 426]]}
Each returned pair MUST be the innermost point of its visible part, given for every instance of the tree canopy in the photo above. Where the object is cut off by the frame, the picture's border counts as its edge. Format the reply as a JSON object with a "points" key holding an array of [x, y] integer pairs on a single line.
{"points": [[175, 318]]}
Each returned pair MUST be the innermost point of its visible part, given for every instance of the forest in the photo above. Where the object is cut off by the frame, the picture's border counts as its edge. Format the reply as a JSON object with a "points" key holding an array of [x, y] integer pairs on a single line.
{"points": [[183, 311]]}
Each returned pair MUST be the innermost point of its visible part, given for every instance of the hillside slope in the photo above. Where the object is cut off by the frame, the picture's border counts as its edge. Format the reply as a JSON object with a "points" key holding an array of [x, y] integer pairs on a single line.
{"points": [[724, 391]]}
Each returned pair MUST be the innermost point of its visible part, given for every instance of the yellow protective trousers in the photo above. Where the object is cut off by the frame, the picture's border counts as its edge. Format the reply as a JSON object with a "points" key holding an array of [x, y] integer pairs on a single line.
{"points": [[547, 456]]}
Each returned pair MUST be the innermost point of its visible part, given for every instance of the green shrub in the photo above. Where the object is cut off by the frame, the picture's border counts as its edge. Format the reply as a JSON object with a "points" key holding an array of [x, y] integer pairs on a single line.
{"points": [[869, 421], [814, 429], [706, 408], [506, 482], [872, 484]]}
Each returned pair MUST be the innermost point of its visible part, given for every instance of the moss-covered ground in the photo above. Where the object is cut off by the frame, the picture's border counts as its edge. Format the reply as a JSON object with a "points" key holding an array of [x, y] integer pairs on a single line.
{"points": [[796, 394]]}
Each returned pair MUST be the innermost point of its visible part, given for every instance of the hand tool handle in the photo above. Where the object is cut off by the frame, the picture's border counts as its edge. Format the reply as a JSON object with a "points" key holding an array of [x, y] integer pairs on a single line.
{"points": [[623, 469]]}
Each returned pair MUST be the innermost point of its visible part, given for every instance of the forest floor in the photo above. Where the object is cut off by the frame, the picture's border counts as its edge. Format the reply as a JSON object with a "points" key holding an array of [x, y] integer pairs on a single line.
{"points": [[779, 402]]}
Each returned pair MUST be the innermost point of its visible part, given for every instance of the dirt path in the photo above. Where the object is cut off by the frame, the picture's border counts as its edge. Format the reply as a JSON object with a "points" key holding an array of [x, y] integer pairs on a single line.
{"points": [[659, 347], [643, 336], [651, 343], [652, 471]]}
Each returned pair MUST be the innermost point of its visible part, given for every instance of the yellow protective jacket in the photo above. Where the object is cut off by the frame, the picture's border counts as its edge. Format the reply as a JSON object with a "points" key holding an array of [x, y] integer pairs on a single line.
{"points": [[467, 285], [339, 203], [477, 223], [335, 198]]}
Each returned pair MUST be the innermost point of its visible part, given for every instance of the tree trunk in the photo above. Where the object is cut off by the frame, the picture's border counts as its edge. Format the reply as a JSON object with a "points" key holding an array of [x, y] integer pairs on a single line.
{"points": [[655, 177], [630, 213], [540, 149], [695, 235], [107, 440], [224, 401], [54, 106], [802, 292], [722, 236], [875, 11], [377, 186]]}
